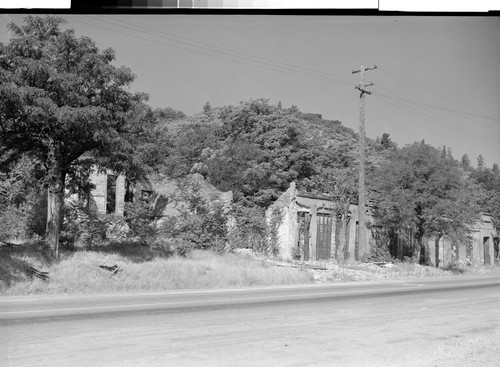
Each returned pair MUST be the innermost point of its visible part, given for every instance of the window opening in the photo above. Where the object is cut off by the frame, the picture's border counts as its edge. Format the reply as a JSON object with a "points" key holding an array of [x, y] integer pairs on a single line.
{"points": [[111, 194]]}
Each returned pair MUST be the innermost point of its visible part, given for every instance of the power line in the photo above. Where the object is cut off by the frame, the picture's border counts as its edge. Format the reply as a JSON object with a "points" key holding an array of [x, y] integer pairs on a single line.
{"points": [[442, 108], [432, 118], [294, 38], [409, 104], [282, 67], [227, 54], [428, 116], [407, 80]]}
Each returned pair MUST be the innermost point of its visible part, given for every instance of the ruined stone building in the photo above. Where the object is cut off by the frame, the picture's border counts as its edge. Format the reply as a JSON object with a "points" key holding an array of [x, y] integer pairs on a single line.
{"points": [[109, 193], [483, 249], [309, 229], [112, 191]]}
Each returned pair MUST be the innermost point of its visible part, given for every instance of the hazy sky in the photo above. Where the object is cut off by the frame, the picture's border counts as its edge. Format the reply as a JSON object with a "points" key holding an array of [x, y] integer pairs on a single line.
{"points": [[438, 78]]}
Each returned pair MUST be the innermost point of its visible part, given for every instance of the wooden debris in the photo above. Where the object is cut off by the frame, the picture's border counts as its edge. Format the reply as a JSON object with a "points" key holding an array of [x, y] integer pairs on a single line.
{"points": [[299, 265], [8, 244], [316, 267], [114, 269], [39, 274]]}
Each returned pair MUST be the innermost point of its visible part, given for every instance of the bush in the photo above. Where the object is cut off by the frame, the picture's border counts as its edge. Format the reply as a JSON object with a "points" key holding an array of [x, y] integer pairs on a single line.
{"points": [[141, 220], [458, 267], [13, 221], [24, 220], [272, 232], [82, 228], [202, 222], [379, 254], [248, 229], [168, 247], [36, 219]]}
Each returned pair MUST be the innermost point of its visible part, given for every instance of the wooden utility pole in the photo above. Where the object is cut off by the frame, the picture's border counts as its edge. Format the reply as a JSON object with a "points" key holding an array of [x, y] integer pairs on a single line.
{"points": [[363, 247]]}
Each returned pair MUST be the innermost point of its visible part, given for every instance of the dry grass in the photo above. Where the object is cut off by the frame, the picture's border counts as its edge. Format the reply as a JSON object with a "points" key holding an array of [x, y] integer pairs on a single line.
{"points": [[371, 272], [79, 273], [140, 270]]}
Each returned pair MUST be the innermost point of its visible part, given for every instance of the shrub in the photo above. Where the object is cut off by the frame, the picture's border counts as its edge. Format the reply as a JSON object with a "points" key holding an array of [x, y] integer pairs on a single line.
{"points": [[13, 220], [248, 229], [272, 231], [167, 247], [201, 222], [82, 228], [458, 267], [379, 251], [141, 220], [36, 216]]}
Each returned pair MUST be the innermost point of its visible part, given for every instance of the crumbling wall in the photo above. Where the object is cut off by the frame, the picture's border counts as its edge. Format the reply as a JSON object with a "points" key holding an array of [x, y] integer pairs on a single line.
{"points": [[98, 197]]}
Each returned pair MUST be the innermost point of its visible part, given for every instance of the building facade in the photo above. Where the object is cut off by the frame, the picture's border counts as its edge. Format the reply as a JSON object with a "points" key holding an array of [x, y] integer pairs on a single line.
{"points": [[109, 193], [483, 248], [309, 229], [112, 191]]}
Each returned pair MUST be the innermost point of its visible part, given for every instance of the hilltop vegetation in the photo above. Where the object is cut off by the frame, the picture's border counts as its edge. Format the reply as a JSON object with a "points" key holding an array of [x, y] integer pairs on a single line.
{"points": [[65, 112]]}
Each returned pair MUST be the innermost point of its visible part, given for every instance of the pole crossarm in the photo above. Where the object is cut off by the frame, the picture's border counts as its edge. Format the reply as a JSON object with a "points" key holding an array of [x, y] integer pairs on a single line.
{"points": [[360, 88], [365, 69]]}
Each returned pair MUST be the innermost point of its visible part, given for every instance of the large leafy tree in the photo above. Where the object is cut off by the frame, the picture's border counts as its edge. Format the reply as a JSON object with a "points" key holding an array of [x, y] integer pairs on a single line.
{"points": [[420, 188], [61, 99], [489, 182], [272, 151]]}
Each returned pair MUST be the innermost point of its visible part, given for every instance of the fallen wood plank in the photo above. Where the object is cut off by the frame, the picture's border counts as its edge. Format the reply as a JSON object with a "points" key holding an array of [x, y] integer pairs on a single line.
{"points": [[113, 269], [39, 274], [8, 244]]}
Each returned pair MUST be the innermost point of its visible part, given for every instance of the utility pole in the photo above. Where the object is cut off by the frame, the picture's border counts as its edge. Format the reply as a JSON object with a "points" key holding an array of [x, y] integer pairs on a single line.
{"points": [[363, 248]]}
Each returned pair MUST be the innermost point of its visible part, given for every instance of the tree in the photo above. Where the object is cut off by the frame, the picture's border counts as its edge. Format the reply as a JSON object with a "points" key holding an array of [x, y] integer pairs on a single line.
{"points": [[422, 189], [465, 162], [167, 114], [207, 107], [495, 169], [259, 154], [386, 141], [480, 162], [449, 153], [489, 192], [60, 99]]}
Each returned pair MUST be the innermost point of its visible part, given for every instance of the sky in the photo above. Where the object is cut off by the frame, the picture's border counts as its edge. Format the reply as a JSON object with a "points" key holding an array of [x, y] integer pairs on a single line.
{"points": [[437, 78]]}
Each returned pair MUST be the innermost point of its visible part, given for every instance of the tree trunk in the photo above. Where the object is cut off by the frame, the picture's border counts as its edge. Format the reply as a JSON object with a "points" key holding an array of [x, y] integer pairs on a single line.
{"points": [[436, 244], [55, 200], [425, 251], [340, 249], [342, 235]]}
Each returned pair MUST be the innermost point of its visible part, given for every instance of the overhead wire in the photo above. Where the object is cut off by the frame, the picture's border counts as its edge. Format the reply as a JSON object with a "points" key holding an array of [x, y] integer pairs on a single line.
{"points": [[410, 105], [434, 106], [222, 53], [281, 45], [426, 108], [446, 123], [383, 70]]}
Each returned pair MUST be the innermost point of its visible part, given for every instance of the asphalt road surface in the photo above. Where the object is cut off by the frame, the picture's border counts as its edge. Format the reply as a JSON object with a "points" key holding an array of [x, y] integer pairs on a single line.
{"points": [[447, 322]]}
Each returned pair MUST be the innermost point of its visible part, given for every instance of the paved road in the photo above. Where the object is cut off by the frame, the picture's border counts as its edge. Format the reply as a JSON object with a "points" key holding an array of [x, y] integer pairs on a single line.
{"points": [[404, 323]]}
